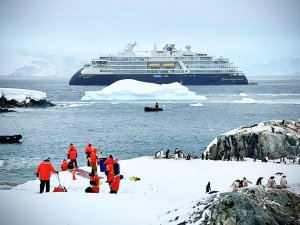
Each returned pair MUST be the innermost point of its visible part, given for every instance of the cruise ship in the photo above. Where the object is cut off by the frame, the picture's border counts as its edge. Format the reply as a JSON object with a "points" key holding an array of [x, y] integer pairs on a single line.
{"points": [[160, 66]]}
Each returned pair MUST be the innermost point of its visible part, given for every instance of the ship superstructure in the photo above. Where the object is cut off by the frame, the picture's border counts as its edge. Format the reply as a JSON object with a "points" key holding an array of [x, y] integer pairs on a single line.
{"points": [[160, 66]]}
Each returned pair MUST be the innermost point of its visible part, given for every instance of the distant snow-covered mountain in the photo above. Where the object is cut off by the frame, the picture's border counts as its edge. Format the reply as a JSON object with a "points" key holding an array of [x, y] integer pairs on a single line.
{"points": [[25, 63], [283, 66], [48, 68]]}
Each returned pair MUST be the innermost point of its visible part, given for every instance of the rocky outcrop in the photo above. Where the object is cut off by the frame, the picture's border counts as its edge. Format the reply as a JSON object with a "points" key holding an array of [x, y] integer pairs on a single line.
{"points": [[3, 110], [249, 206], [272, 139], [29, 102]]}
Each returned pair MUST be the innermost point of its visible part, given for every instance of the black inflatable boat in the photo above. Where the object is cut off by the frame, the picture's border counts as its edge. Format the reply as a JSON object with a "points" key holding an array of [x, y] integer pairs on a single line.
{"points": [[10, 139], [152, 109]]}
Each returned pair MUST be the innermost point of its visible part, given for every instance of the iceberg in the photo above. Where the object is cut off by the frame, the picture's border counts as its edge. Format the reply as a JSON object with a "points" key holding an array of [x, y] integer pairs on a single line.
{"points": [[127, 90]]}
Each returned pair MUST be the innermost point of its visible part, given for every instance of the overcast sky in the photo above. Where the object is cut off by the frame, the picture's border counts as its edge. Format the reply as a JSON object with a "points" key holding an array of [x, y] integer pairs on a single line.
{"points": [[256, 28]]}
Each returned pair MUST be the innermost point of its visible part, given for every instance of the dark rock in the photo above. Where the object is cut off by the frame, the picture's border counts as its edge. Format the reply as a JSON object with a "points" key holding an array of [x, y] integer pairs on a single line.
{"points": [[4, 103], [3, 110], [249, 206], [271, 139]]}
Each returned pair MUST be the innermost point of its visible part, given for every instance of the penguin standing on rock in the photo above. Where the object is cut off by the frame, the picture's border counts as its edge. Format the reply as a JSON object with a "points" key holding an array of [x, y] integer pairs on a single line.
{"points": [[283, 182], [208, 189], [258, 182], [271, 182], [245, 182], [235, 185]]}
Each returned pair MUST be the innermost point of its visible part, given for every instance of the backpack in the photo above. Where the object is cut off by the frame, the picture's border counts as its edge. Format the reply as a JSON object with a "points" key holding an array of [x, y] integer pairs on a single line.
{"points": [[116, 168]]}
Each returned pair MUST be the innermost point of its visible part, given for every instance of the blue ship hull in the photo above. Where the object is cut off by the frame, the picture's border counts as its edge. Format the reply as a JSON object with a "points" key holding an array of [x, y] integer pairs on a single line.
{"points": [[184, 79]]}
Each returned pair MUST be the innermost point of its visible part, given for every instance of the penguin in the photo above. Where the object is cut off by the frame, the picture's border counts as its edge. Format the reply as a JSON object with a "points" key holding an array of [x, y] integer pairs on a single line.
{"points": [[208, 189], [235, 185], [283, 182], [245, 182], [258, 182], [271, 182]]}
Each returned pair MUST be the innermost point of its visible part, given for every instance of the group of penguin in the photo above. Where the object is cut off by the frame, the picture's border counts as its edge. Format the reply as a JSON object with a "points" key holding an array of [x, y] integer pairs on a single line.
{"points": [[244, 183]]}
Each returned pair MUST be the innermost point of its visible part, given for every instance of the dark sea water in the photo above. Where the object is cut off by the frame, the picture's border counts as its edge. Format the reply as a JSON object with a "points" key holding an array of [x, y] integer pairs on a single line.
{"points": [[124, 130]]}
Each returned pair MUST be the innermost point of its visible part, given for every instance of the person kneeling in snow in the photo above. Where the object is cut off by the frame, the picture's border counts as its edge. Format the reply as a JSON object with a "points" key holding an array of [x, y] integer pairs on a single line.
{"points": [[64, 165], [94, 182], [114, 184], [43, 171]]}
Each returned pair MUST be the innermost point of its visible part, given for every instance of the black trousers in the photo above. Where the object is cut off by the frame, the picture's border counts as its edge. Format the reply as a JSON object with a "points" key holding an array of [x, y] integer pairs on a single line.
{"points": [[42, 185], [74, 161], [87, 157]]}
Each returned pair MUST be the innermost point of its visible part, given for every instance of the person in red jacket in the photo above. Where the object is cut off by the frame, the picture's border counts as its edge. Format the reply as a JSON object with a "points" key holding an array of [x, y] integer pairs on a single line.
{"points": [[72, 154], [88, 150], [94, 160], [109, 162], [114, 185], [43, 171], [94, 182], [64, 165]]}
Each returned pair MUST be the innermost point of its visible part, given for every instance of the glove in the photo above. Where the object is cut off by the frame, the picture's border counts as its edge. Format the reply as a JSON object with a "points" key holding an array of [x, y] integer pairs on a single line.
{"points": [[37, 174], [57, 172]]}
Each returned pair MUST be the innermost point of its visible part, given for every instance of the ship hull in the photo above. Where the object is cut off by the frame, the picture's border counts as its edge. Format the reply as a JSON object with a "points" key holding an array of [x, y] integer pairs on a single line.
{"points": [[184, 79]]}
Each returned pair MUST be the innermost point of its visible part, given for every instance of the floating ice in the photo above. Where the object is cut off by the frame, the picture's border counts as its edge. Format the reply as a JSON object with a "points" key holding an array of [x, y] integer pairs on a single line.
{"points": [[196, 104], [243, 94], [126, 90], [21, 94], [246, 100]]}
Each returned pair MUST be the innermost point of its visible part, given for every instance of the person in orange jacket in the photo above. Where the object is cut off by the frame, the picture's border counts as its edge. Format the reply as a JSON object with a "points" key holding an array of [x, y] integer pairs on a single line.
{"points": [[94, 160], [72, 154], [114, 185], [109, 162], [43, 171], [64, 165], [94, 182], [88, 150]]}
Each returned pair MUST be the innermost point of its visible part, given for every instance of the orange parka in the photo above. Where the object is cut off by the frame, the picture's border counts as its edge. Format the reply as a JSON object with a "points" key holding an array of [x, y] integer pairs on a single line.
{"points": [[72, 152], [44, 170], [95, 186], [115, 183], [88, 149], [64, 165], [110, 168], [93, 156]]}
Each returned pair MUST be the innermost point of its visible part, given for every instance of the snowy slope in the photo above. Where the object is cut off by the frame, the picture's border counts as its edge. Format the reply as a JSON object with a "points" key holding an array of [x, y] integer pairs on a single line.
{"points": [[166, 184]]}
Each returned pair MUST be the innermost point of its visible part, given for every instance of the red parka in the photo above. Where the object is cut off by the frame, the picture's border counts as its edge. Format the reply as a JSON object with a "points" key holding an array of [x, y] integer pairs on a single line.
{"points": [[44, 170], [115, 183], [64, 165], [95, 187], [72, 152], [88, 149], [95, 179], [93, 156], [110, 168]]}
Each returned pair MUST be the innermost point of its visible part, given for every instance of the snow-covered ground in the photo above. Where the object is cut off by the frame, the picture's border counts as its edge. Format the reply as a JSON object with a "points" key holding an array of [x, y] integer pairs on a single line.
{"points": [[166, 184]]}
